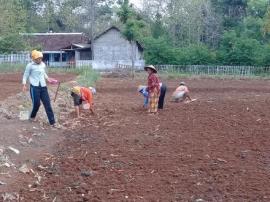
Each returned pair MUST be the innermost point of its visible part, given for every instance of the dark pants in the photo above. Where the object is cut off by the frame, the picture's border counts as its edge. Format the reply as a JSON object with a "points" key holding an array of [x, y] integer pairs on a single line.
{"points": [[41, 93], [77, 100], [163, 90]]}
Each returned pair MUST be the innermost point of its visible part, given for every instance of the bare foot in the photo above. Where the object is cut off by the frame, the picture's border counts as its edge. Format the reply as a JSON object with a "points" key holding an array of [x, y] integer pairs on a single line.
{"points": [[33, 119], [56, 126]]}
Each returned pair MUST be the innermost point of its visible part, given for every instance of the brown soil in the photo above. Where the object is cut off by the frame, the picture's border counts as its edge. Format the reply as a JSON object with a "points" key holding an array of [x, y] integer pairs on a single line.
{"points": [[213, 149], [34, 141], [11, 82]]}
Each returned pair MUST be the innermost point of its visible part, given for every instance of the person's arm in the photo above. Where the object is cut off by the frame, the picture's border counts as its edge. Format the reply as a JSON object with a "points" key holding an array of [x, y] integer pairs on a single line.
{"points": [[90, 102], [77, 111], [145, 101], [47, 77], [145, 95], [26, 76], [50, 80], [145, 92], [91, 109], [187, 95]]}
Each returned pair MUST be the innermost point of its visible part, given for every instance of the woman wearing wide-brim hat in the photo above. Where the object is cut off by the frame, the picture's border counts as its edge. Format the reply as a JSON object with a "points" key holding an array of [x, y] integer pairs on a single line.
{"points": [[153, 88]]}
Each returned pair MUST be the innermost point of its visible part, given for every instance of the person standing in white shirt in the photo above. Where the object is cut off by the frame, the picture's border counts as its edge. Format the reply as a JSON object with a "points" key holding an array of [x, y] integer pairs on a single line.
{"points": [[36, 74]]}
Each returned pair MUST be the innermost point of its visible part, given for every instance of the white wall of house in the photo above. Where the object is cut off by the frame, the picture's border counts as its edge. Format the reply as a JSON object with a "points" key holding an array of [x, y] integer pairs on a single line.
{"points": [[112, 48]]}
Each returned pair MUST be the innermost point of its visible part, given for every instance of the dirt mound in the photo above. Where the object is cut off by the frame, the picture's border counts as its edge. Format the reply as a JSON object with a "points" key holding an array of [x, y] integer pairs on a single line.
{"points": [[23, 143], [21, 102]]}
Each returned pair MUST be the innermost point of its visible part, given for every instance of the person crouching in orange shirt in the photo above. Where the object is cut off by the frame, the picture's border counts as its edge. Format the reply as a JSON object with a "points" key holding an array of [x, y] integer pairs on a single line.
{"points": [[82, 95]]}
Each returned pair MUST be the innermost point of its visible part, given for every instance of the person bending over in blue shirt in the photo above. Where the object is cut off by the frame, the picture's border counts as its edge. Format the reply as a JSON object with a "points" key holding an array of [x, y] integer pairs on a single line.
{"points": [[144, 92]]}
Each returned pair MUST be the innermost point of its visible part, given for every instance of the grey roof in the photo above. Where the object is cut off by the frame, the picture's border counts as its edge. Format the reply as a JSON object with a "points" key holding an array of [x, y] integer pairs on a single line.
{"points": [[55, 41]]}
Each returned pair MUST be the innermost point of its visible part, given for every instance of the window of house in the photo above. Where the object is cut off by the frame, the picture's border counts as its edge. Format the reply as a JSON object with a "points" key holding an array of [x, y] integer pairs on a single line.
{"points": [[46, 57], [56, 57], [64, 57]]}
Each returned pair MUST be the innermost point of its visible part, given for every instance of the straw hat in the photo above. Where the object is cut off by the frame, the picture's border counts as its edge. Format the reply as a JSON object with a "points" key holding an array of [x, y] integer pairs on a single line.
{"points": [[93, 90], [36, 54], [150, 67], [76, 90], [182, 83]]}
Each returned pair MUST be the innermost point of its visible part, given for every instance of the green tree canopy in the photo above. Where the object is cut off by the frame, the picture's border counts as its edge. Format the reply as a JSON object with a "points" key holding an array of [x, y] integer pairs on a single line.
{"points": [[12, 23]]}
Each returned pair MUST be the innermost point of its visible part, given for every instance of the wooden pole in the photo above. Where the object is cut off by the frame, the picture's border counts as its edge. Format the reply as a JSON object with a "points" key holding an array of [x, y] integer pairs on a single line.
{"points": [[56, 91]]}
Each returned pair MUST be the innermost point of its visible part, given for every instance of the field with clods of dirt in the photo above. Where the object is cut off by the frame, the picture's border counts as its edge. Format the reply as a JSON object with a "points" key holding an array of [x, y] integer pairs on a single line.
{"points": [[216, 148]]}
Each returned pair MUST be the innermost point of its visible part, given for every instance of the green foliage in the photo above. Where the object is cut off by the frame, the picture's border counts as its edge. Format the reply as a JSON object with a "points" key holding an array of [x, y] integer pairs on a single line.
{"points": [[158, 51], [266, 26], [237, 50], [171, 32], [198, 54], [232, 11], [133, 29], [7, 67], [257, 8], [264, 56], [12, 43], [253, 28], [12, 22], [87, 76], [157, 27], [125, 12]]}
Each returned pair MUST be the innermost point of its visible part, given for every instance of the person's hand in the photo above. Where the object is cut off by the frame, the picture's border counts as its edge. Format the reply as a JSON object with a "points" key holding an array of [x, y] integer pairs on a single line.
{"points": [[52, 80], [91, 109], [24, 88]]}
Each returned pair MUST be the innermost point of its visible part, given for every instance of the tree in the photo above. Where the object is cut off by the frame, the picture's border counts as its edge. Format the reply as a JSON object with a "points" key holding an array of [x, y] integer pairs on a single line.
{"points": [[266, 26], [157, 27], [158, 51], [12, 23], [133, 26], [257, 8], [253, 28], [192, 22], [238, 50], [125, 12], [233, 11]]}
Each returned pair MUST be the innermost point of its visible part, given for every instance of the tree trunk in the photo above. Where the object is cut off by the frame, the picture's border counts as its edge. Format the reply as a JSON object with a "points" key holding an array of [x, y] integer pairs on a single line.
{"points": [[92, 28], [132, 58]]}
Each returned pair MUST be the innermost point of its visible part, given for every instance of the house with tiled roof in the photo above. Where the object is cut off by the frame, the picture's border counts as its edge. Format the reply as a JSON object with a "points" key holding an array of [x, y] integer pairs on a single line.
{"points": [[51, 45], [111, 49]]}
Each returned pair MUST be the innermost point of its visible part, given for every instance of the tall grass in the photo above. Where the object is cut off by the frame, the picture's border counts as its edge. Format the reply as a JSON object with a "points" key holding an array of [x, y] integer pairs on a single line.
{"points": [[86, 76], [8, 67]]}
